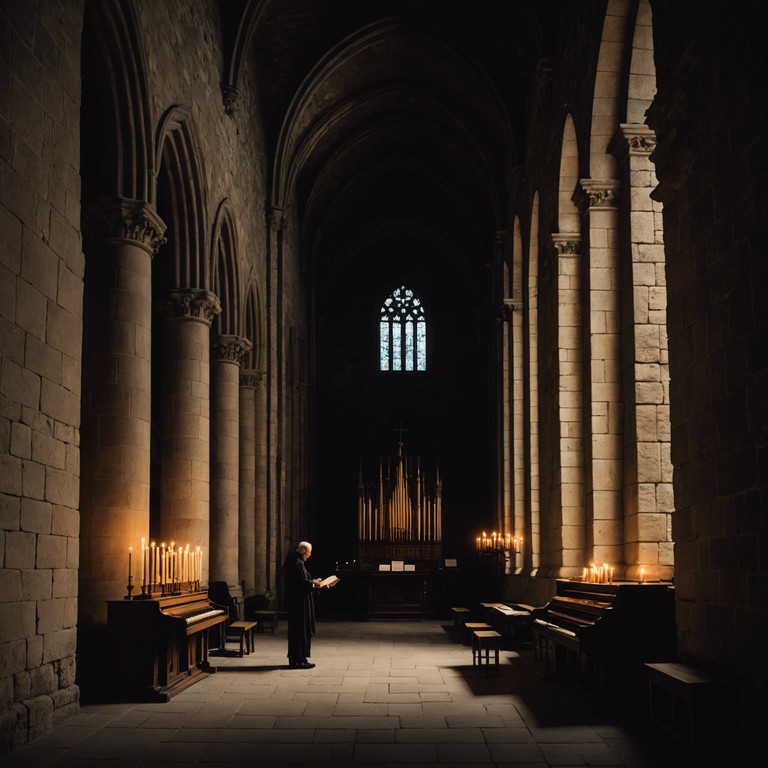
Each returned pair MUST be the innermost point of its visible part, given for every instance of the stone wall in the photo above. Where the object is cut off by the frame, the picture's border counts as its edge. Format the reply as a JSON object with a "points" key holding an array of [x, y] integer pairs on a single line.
{"points": [[41, 284], [709, 118]]}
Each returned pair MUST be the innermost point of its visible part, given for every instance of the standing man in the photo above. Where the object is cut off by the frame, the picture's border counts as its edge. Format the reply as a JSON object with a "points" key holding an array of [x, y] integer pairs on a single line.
{"points": [[300, 604]]}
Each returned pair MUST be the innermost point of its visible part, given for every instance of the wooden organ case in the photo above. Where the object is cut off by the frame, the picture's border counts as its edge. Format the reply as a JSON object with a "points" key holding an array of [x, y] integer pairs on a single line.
{"points": [[160, 644]]}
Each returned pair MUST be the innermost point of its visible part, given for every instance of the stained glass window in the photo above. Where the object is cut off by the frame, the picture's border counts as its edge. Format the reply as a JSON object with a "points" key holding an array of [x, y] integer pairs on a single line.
{"points": [[402, 332]]}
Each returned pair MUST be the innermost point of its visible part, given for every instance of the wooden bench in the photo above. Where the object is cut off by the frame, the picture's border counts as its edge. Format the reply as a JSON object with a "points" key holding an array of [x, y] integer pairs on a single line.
{"points": [[483, 642], [689, 704], [243, 632], [460, 615]]}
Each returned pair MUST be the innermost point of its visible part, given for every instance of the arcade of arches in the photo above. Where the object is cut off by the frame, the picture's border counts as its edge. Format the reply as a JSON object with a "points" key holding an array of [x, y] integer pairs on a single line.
{"points": [[203, 206]]}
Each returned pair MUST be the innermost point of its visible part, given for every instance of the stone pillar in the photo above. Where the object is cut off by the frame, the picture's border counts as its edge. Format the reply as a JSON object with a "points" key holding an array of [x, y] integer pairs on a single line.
{"points": [[228, 351], [121, 237], [648, 495], [185, 420], [517, 443], [262, 581], [275, 377], [247, 492], [603, 404], [570, 405]]}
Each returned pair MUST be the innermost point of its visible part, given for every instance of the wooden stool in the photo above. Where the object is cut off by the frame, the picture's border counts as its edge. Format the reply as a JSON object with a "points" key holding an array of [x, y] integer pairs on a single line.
{"points": [[460, 615], [263, 619], [485, 641], [472, 626], [243, 631]]}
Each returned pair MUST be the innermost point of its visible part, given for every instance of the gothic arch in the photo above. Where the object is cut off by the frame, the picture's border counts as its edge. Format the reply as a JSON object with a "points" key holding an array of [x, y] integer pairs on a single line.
{"points": [[299, 129], [116, 129], [181, 182], [567, 213], [606, 101], [252, 327], [226, 273]]}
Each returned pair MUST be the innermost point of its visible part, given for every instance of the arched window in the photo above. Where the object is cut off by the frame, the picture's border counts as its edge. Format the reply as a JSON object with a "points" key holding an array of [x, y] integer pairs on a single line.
{"points": [[402, 332]]}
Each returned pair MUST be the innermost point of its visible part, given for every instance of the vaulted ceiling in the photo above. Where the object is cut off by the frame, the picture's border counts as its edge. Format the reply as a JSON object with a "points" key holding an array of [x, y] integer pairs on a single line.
{"points": [[397, 119]]}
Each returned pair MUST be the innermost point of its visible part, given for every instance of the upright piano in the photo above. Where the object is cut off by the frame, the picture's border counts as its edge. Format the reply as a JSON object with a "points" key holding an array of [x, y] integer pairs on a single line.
{"points": [[604, 633], [160, 645]]}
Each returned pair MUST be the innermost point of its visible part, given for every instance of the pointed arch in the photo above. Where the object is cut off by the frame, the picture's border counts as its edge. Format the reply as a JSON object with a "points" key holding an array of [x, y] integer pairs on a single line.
{"points": [[567, 212], [402, 332], [119, 161], [252, 325], [225, 281], [607, 97], [641, 75], [182, 198]]}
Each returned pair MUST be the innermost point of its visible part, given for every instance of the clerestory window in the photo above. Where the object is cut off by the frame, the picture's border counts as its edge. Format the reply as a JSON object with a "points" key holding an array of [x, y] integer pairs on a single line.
{"points": [[402, 332]]}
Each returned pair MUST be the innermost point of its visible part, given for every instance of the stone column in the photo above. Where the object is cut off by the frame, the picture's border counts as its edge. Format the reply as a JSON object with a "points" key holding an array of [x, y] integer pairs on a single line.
{"points": [[185, 420], [517, 443], [228, 351], [261, 539], [570, 403], [598, 202], [249, 380], [648, 494], [121, 237]]}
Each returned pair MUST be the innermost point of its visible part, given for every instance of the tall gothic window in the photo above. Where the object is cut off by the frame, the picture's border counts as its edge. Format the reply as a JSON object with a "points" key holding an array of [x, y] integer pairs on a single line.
{"points": [[402, 332]]}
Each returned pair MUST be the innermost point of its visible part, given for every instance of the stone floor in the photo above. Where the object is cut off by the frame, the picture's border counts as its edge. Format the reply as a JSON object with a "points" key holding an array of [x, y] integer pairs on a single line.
{"points": [[382, 694]]}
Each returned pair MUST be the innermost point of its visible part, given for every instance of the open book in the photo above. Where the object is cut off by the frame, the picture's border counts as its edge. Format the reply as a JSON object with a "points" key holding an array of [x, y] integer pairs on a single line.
{"points": [[330, 581]]}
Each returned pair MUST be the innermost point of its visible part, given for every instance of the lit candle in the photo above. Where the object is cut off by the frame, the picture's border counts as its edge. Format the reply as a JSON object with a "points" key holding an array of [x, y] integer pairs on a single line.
{"points": [[199, 564], [642, 575], [143, 561], [584, 575]]}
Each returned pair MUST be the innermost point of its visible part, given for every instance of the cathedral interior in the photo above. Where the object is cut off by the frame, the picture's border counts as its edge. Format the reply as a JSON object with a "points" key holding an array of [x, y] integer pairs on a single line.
{"points": [[252, 251]]}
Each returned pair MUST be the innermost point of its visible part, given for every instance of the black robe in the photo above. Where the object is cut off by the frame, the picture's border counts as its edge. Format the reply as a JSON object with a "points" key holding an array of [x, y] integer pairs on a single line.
{"points": [[300, 605]]}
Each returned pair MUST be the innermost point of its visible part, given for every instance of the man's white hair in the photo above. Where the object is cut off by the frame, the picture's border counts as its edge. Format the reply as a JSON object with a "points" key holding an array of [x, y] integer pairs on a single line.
{"points": [[304, 546]]}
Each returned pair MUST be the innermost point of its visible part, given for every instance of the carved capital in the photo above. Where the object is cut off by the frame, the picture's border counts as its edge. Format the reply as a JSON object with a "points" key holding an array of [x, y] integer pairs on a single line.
{"points": [[193, 303], [231, 349], [275, 219], [251, 378], [121, 219], [566, 243], [632, 139], [230, 96], [596, 193]]}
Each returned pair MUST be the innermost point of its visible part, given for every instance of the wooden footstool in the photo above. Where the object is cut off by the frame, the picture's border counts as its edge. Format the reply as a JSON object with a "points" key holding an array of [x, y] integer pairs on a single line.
{"points": [[460, 615], [470, 627], [483, 642], [264, 619], [243, 631]]}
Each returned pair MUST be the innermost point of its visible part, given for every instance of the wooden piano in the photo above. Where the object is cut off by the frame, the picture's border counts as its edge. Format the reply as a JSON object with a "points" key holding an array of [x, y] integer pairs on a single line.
{"points": [[604, 633], [160, 645]]}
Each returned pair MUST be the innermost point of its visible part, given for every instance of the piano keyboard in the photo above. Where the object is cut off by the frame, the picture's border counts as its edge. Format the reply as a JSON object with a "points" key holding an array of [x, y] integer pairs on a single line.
{"points": [[555, 627], [199, 614]]}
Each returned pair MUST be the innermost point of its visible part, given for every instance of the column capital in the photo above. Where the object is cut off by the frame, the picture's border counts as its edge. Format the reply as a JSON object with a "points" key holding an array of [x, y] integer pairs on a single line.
{"points": [[566, 243], [275, 218], [230, 96], [251, 378], [123, 219], [230, 349], [193, 303], [596, 193], [632, 139]]}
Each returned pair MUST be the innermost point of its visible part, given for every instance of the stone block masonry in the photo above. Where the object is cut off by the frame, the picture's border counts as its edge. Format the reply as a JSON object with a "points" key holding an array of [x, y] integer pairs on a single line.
{"points": [[41, 286]]}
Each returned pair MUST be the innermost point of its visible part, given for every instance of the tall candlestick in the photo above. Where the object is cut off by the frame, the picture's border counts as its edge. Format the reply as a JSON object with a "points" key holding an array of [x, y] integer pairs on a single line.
{"points": [[130, 553]]}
